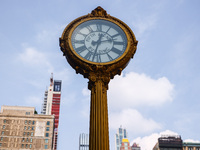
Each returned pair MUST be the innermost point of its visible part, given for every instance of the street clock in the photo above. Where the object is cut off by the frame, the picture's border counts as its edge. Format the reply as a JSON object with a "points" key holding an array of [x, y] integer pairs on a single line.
{"points": [[98, 46]]}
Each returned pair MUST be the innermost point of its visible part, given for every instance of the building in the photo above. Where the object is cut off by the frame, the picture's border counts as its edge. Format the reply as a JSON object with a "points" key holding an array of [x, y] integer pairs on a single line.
{"points": [[135, 147], [125, 145], [191, 146], [121, 134], [51, 105], [169, 142], [83, 142], [21, 128]]}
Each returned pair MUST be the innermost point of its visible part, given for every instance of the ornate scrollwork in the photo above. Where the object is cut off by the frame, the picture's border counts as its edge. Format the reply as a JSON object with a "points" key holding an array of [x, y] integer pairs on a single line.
{"points": [[99, 12], [98, 76]]}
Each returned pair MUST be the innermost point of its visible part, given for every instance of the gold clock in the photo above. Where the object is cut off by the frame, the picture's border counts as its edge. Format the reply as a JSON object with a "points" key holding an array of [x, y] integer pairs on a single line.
{"points": [[98, 41]]}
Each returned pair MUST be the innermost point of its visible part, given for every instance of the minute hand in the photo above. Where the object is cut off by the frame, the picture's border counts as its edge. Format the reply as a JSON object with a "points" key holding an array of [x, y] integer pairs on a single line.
{"points": [[98, 43], [107, 41]]}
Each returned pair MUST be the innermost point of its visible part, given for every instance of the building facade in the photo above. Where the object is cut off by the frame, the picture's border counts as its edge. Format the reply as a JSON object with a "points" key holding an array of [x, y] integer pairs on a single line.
{"points": [[125, 145], [135, 147], [121, 134], [169, 143], [51, 105], [21, 128], [83, 142], [191, 146]]}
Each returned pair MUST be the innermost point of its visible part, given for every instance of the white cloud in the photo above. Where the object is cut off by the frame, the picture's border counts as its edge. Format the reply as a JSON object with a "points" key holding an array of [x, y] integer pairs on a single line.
{"points": [[133, 121], [86, 92], [148, 142], [33, 57], [33, 100], [63, 75], [144, 24], [135, 89], [191, 141]]}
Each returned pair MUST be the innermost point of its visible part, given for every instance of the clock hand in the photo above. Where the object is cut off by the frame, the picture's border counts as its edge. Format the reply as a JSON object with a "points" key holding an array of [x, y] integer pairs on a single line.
{"points": [[107, 41], [98, 42]]}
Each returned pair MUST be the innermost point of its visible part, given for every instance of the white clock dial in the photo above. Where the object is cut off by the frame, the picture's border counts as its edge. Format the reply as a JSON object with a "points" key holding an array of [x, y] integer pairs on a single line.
{"points": [[99, 41]]}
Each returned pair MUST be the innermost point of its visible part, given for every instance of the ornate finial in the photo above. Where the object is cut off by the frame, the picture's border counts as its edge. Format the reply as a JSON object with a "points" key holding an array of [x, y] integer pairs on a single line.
{"points": [[99, 12]]}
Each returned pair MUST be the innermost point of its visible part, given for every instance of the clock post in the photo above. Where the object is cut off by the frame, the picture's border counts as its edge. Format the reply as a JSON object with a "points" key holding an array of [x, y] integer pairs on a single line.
{"points": [[98, 46], [99, 134]]}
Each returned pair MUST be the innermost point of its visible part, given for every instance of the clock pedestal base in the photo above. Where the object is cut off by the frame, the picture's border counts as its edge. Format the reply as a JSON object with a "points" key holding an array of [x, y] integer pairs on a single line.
{"points": [[99, 134]]}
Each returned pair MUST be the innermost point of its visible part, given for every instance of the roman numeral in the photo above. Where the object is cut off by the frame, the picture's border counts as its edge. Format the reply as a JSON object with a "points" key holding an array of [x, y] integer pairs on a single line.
{"points": [[79, 41], [118, 43], [98, 58], [108, 29], [110, 58], [89, 28], [88, 55], [99, 27], [80, 49], [117, 51], [115, 35], [82, 34]]}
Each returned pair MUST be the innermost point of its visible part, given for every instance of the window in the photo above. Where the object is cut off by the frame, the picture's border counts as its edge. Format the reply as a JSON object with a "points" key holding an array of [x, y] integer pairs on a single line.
{"points": [[27, 133], [47, 128], [22, 145], [1, 138], [29, 122], [27, 140], [33, 122], [117, 141], [24, 127], [46, 140], [124, 133], [31, 140], [4, 121], [4, 126], [46, 147], [24, 133], [32, 128], [26, 145], [2, 133], [120, 130], [29, 127], [25, 122], [47, 134], [28, 113], [48, 122], [23, 140], [31, 133], [30, 146]]}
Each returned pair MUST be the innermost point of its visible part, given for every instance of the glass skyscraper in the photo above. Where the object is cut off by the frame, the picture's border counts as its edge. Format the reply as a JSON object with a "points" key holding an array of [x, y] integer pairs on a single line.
{"points": [[121, 134]]}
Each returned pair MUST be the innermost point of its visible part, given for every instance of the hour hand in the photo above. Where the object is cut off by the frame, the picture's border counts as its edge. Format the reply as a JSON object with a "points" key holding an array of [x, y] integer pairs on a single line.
{"points": [[98, 41], [94, 43]]}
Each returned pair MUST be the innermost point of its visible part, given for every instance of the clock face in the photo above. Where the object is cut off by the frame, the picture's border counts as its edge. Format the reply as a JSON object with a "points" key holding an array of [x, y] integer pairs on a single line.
{"points": [[99, 41]]}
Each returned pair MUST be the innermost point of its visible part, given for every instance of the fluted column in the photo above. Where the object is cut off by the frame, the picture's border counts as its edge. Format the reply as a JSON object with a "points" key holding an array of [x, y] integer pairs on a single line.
{"points": [[99, 132]]}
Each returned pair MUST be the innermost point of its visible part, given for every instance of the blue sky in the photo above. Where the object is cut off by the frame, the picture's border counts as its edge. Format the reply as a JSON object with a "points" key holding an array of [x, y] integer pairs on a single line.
{"points": [[158, 92]]}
